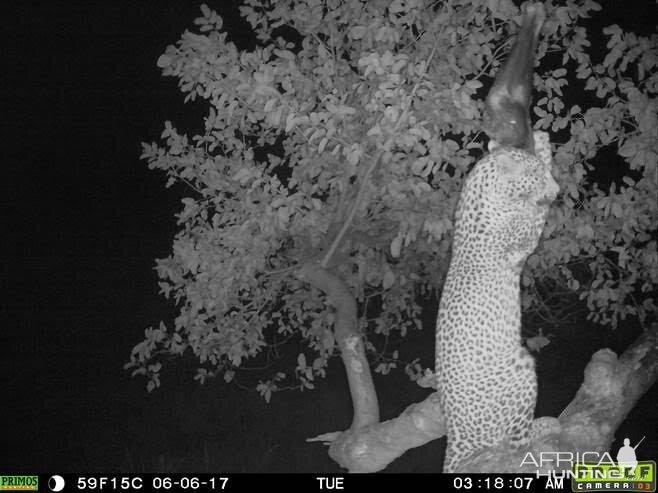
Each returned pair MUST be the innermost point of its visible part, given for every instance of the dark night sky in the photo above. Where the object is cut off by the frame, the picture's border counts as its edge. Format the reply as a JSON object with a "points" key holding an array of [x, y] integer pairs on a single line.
{"points": [[85, 91], [83, 216]]}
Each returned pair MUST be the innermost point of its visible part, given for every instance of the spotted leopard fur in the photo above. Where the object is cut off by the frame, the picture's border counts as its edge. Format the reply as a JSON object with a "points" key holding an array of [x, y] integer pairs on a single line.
{"points": [[486, 378]]}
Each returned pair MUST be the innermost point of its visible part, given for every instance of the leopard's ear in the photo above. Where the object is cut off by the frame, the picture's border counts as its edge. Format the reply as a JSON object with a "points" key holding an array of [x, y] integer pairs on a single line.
{"points": [[507, 165]]}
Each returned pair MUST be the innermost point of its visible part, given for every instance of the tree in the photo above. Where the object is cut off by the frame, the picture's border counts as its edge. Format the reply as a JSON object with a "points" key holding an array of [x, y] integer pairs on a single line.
{"points": [[325, 177]]}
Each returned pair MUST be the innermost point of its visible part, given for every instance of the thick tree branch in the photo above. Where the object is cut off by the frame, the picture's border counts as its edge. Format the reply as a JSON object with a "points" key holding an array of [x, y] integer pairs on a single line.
{"points": [[611, 388], [372, 448], [350, 342]]}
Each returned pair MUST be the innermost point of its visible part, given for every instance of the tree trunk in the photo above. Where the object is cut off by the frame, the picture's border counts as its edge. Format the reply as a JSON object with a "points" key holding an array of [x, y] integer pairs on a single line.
{"points": [[350, 342]]}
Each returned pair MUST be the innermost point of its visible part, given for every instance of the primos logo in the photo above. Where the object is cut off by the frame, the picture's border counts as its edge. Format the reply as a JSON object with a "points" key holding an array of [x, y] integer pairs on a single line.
{"points": [[19, 483]]}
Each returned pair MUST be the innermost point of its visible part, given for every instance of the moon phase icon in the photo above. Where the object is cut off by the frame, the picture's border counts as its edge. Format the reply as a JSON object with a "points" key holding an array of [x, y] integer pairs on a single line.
{"points": [[56, 483]]}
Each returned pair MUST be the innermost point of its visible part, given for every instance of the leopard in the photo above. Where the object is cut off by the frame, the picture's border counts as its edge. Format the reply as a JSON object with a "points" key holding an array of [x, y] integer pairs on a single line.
{"points": [[485, 376]]}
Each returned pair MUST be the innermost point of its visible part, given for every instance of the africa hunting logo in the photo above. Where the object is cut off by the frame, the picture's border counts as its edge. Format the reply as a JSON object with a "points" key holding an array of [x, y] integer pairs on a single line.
{"points": [[628, 474]]}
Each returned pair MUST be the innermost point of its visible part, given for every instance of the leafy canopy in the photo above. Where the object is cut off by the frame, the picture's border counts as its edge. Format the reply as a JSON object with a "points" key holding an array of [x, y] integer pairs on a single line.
{"points": [[366, 116]]}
